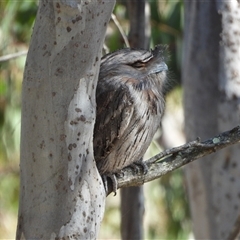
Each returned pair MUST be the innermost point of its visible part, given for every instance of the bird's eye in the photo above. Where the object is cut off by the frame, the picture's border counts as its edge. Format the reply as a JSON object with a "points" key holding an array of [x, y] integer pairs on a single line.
{"points": [[138, 64]]}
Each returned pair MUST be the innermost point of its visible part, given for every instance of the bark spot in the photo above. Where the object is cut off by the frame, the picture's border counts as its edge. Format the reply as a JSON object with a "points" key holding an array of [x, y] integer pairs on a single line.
{"points": [[228, 196], [226, 163], [78, 18], [70, 146], [82, 118], [59, 71], [232, 179], [69, 157], [234, 165], [44, 47], [78, 110], [84, 213], [62, 137], [42, 144]]}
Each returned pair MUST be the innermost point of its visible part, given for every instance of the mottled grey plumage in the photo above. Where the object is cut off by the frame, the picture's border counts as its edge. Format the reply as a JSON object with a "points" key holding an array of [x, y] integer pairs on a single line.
{"points": [[130, 105]]}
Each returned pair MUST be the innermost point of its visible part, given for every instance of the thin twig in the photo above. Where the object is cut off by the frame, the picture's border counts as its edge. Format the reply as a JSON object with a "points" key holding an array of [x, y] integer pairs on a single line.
{"points": [[174, 158], [120, 30], [12, 56]]}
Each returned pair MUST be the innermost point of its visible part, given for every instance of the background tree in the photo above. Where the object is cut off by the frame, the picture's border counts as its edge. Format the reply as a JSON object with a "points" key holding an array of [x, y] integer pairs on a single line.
{"points": [[132, 217], [211, 101]]}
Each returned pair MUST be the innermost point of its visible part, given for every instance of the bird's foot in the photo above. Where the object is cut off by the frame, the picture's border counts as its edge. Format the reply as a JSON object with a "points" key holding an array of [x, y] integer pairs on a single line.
{"points": [[110, 186], [139, 164]]}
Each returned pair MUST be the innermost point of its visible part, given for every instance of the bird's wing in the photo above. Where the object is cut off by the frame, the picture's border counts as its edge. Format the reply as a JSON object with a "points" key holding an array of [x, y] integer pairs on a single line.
{"points": [[114, 112]]}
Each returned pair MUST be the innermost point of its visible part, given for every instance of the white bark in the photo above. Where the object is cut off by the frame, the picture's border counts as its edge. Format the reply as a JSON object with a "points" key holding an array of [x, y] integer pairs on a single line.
{"points": [[226, 170], [212, 94], [61, 193]]}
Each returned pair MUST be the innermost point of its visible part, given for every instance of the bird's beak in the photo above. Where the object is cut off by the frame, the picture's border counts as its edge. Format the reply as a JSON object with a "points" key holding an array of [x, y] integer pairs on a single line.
{"points": [[159, 67], [162, 67]]}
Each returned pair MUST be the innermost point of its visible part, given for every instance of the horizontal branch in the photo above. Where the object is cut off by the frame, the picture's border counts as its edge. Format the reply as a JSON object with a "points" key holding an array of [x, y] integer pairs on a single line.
{"points": [[174, 158]]}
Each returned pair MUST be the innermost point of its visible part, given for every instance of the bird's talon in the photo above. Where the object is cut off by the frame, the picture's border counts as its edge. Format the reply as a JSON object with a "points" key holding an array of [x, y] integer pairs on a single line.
{"points": [[135, 166], [113, 181]]}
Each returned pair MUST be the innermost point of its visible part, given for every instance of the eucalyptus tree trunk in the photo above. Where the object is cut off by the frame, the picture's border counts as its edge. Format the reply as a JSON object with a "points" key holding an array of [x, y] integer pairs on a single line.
{"points": [[132, 199], [211, 79], [61, 192]]}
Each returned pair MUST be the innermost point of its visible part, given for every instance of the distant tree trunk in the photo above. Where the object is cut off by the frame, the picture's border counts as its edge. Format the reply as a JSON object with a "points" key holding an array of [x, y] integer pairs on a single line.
{"points": [[61, 192], [140, 28], [211, 80], [132, 199]]}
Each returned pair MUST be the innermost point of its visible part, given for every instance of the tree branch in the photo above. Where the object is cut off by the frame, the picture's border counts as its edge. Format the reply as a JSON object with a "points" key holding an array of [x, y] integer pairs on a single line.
{"points": [[13, 55], [174, 158], [120, 30]]}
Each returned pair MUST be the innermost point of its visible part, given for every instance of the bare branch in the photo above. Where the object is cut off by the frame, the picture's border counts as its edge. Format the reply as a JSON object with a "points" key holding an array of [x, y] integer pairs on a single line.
{"points": [[120, 30], [13, 55], [174, 158]]}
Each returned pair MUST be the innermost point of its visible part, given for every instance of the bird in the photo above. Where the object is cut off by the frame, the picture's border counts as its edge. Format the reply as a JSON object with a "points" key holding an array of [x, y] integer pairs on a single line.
{"points": [[130, 104]]}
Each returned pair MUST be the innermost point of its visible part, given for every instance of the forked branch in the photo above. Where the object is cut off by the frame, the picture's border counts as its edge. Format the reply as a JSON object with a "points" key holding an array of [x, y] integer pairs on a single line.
{"points": [[174, 158]]}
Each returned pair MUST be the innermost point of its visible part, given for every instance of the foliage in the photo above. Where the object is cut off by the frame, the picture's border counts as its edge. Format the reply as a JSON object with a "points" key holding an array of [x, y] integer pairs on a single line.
{"points": [[15, 31]]}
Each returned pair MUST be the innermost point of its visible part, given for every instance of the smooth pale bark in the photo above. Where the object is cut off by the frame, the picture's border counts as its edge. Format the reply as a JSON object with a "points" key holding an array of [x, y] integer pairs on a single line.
{"points": [[61, 192], [132, 199], [211, 101]]}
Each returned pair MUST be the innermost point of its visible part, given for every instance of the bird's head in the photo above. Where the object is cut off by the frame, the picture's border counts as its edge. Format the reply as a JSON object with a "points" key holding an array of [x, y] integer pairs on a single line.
{"points": [[137, 62]]}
